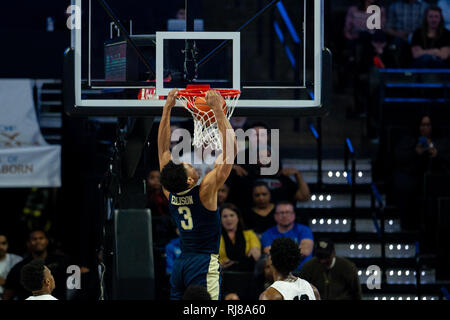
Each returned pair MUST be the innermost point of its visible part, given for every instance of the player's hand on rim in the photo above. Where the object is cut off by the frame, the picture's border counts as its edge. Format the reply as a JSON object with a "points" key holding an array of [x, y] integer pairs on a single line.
{"points": [[171, 98], [214, 100]]}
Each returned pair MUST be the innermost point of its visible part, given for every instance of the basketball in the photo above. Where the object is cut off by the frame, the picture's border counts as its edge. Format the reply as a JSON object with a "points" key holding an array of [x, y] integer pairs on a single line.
{"points": [[203, 110]]}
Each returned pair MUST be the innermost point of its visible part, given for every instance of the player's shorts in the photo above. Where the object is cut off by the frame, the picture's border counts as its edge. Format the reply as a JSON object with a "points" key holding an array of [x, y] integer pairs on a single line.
{"points": [[195, 269]]}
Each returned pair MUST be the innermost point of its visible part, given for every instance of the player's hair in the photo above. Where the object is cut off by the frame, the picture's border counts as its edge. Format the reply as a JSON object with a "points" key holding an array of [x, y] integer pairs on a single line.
{"points": [[285, 255], [194, 292], [174, 177], [32, 275]]}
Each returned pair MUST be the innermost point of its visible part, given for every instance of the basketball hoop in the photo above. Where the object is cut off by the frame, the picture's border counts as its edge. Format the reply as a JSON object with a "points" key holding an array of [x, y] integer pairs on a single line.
{"points": [[206, 130]]}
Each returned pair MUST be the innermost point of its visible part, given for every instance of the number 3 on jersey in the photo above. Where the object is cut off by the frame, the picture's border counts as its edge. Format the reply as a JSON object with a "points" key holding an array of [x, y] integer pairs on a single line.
{"points": [[186, 223]]}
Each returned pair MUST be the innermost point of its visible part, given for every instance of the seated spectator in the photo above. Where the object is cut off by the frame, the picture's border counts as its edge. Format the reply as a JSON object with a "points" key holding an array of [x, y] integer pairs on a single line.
{"points": [[280, 184], [241, 177], [431, 43], [287, 228], [356, 31], [263, 274], [7, 261], [156, 201], [375, 55], [38, 279], [244, 175], [173, 251], [404, 17], [37, 244], [162, 222], [239, 248], [425, 150], [445, 6], [285, 258], [258, 136], [336, 278], [260, 216], [222, 195], [268, 276]]}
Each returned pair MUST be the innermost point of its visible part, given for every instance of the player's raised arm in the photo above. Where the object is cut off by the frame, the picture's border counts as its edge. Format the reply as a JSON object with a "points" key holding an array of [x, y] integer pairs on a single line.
{"points": [[164, 130], [224, 162]]}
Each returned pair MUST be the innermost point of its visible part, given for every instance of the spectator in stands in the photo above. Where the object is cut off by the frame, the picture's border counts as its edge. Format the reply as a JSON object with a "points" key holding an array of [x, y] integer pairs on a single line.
{"points": [[281, 185], [181, 14], [156, 200], [222, 194], [162, 223], [260, 216], [356, 30], [37, 244], [425, 150], [263, 274], [336, 278], [367, 49], [445, 6], [38, 279], [173, 251], [241, 176], [431, 43], [287, 228], [239, 248], [404, 17], [258, 136], [432, 147], [245, 175], [7, 261]]}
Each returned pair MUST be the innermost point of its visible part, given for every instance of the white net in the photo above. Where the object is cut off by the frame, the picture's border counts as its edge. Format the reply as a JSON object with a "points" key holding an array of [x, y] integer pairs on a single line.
{"points": [[206, 131]]}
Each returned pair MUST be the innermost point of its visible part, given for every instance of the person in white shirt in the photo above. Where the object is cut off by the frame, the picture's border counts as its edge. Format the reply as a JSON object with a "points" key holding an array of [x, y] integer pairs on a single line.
{"points": [[7, 261], [284, 259], [38, 279]]}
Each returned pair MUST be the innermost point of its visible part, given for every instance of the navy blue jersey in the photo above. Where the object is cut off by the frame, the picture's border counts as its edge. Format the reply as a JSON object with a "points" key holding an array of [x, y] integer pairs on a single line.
{"points": [[199, 227]]}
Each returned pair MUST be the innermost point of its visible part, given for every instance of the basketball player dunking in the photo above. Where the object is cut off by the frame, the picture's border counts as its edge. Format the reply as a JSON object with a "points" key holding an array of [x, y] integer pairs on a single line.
{"points": [[194, 207]]}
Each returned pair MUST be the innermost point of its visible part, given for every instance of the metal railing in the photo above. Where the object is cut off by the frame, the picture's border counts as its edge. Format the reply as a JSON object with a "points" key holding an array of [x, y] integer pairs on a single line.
{"points": [[349, 155], [317, 133]]}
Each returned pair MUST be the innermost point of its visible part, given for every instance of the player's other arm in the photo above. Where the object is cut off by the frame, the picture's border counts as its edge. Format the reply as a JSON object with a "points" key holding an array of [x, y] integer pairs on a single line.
{"points": [[270, 294], [164, 155], [224, 162], [306, 247], [316, 292]]}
